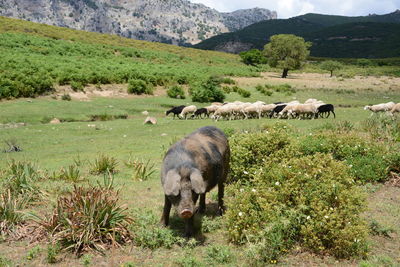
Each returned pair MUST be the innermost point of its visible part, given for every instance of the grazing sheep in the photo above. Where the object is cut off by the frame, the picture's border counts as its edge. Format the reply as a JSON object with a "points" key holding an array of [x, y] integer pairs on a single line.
{"points": [[309, 110], [211, 109], [175, 110], [380, 107], [201, 111], [396, 108], [188, 110], [310, 101], [326, 110], [267, 109], [276, 110], [224, 111]]}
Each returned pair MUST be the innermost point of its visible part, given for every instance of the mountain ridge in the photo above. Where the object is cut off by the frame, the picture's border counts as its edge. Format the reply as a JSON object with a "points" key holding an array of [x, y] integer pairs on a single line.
{"points": [[177, 22]]}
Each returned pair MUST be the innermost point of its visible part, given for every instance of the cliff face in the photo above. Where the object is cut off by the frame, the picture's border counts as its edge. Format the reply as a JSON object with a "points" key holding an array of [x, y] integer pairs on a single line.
{"points": [[170, 21]]}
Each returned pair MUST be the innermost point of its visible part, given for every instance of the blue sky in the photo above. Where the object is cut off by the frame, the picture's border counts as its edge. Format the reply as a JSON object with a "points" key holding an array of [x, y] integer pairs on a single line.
{"points": [[291, 8]]}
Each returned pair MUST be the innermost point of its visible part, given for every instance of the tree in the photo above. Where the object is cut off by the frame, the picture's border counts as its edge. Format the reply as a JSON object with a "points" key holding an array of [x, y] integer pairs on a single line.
{"points": [[331, 65], [253, 57], [363, 62], [286, 51]]}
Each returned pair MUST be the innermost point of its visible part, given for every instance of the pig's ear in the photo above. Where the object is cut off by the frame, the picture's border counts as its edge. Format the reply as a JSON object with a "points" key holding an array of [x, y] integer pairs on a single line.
{"points": [[172, 184], [198, 184]]}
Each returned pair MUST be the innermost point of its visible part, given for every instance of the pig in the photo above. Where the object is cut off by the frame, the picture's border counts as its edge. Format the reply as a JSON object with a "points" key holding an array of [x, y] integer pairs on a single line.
{"points": [[191, 168]]}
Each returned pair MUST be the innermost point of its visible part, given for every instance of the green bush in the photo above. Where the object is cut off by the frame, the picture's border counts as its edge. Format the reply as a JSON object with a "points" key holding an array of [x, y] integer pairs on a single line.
{"points": [[227, 80], [312, 200], [285, 88], [366, 158], [77, 86], [208, 91], [138, 87], [253, 57], [66, 97], [249, 151], [176, 92], [263, 91]]}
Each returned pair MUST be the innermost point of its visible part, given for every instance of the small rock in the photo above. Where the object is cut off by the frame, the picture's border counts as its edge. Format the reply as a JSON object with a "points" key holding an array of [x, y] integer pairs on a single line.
{"points": [[163, 134], [150, 120], [55, 121], [146, 113], [29, 101]]}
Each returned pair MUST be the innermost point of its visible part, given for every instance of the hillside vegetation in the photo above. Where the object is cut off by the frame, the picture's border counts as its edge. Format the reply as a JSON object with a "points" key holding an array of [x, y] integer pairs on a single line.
{"points": [[35, 57], [369, 36]]}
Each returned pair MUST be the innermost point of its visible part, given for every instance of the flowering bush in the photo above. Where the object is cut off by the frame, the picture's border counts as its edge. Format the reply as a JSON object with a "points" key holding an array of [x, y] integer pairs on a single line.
{"points": [[311, 199]]}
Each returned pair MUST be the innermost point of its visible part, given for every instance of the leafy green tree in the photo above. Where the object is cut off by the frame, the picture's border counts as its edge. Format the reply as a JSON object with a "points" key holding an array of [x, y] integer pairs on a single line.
{"points": [[331, 65], [286, 51], [363, 62], [253, 57]]}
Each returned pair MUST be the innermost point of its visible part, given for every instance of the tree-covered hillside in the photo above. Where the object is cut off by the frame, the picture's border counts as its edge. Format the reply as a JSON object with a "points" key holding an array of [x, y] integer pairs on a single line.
{"points": [[376, 35]]}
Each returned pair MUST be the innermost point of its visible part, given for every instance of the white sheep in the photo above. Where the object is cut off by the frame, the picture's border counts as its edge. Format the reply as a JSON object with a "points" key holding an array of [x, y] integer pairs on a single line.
{"points": [[380, 107], [188, 110], [395, 108], [303, 109], [224, 111], [310, 101]]}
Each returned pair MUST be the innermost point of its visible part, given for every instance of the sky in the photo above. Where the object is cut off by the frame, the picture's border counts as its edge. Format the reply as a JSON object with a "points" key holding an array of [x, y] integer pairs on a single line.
{"points": [[291, 8]]}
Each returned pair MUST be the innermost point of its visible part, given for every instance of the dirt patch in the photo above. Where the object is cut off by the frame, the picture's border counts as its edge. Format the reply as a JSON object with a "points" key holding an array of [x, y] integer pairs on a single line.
{"points": [[318, 81], [106, 90]]}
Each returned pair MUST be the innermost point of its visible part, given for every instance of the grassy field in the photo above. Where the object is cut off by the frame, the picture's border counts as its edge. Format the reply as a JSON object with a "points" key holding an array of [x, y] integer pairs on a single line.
{"points": [[53, 146]]}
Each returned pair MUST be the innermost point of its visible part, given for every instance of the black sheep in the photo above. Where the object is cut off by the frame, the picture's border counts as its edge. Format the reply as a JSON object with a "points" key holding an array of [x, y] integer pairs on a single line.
{"points": [[175, 110], [326, 109], [276, 110], [198, 113]]}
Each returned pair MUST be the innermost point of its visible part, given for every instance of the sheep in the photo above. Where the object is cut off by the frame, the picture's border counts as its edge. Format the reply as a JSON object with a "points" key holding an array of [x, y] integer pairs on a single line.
{"points": [[310, 101], [175, 110], [267, 109], [211, 109], [396, 108], [380, 107], [326, 109], [253, 109], [201, 111], [301, 109], [287, 108], [224, 111], [276, 110], [188, 110]]}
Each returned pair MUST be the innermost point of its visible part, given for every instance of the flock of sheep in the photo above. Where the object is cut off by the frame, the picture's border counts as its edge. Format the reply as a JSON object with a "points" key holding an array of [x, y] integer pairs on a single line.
{"points": [[390, 107], [312, 108]]}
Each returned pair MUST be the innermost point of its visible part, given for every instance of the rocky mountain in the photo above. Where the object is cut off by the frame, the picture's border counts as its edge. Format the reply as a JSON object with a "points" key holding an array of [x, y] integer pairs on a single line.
{"points": [[169, 21]]}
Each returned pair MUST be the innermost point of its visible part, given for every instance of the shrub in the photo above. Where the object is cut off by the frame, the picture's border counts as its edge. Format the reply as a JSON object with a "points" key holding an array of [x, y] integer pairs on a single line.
{"points": [[139, 87], [176, 92], [312, 200], [66, 97], [228, 80], [249, 151], [88, 218], [227, 89], [71, 174], [253, 57], [208, 91], [77, 86], [263, 91], [210, 224], [104, 164], [52, 253], [366, 159]]}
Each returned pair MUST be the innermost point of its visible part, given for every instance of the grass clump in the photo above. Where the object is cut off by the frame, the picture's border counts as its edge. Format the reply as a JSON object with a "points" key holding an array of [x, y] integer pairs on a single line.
{"points": [[148, 233], [242, 92], [104, 164], [138, 87], [88, 218], [142, 170], [176, 92], [285, 88], [70, 173], [52, 252], [263, 90], [10, 211], [219, 254], [66, 97]]}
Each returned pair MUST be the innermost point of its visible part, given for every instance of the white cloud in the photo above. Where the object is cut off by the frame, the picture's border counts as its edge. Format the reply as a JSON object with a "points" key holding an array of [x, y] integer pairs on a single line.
{"points": [[291, 8]]}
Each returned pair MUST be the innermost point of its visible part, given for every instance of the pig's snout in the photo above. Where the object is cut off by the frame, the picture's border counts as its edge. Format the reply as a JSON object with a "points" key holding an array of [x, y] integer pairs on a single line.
{"points": [[186, 214]]}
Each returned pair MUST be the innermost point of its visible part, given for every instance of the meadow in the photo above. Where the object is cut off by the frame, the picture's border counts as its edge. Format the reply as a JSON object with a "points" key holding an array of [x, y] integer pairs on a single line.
{"points": [[102, 152], [78, 138]]}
